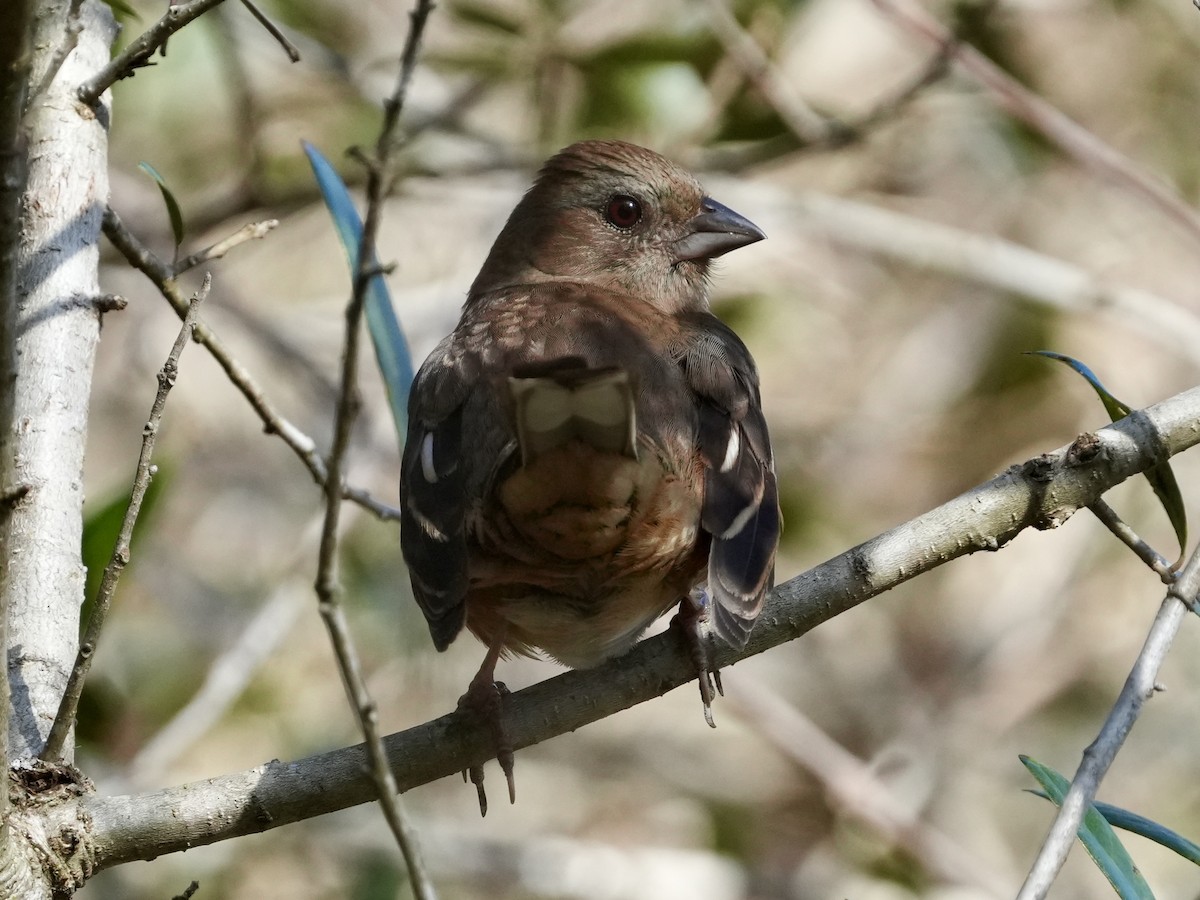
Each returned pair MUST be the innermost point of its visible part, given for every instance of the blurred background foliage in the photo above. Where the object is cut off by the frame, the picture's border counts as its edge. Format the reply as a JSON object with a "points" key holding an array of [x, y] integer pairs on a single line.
{"points": [[890, 386]]}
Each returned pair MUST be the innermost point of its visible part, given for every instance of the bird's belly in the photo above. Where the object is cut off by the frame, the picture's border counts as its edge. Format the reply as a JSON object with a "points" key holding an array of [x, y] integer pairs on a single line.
{"points": [[590, 548]]}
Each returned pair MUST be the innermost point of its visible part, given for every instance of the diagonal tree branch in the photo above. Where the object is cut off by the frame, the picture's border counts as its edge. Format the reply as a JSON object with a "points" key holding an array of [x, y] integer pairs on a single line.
{"points": [[139, 51], [1040, 493], [1098, 757], [163, 278]]}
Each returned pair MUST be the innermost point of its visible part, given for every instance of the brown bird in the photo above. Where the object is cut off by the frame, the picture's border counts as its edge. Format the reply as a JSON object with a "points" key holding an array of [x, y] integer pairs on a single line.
{"points": [[587, 447]]}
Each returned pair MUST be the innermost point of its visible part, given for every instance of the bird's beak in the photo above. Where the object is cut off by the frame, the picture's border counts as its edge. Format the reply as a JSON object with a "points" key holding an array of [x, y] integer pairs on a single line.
{"points": [[715, 231]]}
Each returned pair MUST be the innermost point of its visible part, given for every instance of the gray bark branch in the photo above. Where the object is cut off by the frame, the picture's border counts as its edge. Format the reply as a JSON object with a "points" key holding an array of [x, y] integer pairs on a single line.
{"points": [[1041, 493]]}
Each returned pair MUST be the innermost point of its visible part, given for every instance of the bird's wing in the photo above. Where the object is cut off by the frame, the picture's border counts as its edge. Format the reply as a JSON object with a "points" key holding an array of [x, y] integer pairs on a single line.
{"points": [[433, 495], [741, 499]]}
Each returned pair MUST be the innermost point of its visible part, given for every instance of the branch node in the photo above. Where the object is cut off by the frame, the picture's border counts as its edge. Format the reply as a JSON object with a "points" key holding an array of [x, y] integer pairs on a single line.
{"points": [[105, 303]]}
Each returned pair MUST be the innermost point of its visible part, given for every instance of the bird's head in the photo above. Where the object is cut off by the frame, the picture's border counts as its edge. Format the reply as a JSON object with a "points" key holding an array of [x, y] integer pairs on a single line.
{"points": [[622, 218]]}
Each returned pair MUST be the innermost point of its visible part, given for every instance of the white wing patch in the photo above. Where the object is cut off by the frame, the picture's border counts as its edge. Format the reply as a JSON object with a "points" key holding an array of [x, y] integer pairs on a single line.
{"points": [[739, 522], [427, 467], [732, 449]]}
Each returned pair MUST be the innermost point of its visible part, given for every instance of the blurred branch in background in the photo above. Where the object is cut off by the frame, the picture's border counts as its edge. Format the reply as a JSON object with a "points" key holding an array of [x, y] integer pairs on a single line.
{"points": [[230, 673], [854, 790], [993, 261], [1082, 145]]}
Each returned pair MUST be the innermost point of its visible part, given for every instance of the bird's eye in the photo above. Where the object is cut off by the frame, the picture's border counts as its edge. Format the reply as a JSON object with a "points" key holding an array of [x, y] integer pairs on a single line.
{"points": [[623, 211]]}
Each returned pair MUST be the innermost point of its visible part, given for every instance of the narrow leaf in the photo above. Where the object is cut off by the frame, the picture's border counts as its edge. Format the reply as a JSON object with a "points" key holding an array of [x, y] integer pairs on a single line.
{"points": [[1097, 837], [1161, 477], [173, 211], [1147, 828], [391, 348]]}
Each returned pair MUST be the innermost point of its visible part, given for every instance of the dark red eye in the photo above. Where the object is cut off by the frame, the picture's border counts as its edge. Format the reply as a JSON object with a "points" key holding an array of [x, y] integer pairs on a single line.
{"points": [[623, 211]]}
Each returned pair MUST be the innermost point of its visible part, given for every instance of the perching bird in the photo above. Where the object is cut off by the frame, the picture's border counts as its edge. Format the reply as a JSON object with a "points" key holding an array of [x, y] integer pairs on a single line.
{"points": [[587, 447]]}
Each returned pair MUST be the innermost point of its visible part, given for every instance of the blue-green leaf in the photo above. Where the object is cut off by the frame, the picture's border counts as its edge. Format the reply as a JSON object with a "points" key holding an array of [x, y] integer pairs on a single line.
{"points": [[173, 211], [391, 349], [1097, 837], [1161, 477], [1147, 828]]}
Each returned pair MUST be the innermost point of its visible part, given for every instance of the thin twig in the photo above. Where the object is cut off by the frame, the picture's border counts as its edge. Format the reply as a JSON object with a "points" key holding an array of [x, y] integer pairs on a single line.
{"points": [[288, 47], [1139, 687], [1069, 136], [139, 51], [64, 719], [1147, 554], [328, 586], [254, 231], [274, 422]]}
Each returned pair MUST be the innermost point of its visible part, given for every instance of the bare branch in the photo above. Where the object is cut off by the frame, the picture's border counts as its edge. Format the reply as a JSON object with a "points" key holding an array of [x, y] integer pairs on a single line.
{"points": [[1066, 134], [142, 259], [328, 585], [1041, 493], [139, 51], [254, 231], [64, 720], [1139, 687], [1126, 535], [288, 47]]}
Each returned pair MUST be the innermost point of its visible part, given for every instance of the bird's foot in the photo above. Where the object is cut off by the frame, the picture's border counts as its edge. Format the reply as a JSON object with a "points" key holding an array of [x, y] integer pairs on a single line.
{"points": [[485, 699], [690, 621]]}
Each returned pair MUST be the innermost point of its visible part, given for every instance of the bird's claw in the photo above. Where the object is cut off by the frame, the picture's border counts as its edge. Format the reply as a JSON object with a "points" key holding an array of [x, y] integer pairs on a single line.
{"points": [[485, 700], [689, 620]]}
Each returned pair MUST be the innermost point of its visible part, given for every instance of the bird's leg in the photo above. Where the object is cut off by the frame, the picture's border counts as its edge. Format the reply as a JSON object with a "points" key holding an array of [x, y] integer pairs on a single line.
{"points": [[485, 699], [690, 621]]}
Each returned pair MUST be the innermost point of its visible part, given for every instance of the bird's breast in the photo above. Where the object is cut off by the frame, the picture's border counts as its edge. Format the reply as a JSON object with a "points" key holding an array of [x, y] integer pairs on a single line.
{"points": [[583, 549]]}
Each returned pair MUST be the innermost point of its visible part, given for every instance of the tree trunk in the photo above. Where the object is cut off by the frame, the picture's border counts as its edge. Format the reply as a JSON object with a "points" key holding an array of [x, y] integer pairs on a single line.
{"points": [[53, 190], [53, 326]]}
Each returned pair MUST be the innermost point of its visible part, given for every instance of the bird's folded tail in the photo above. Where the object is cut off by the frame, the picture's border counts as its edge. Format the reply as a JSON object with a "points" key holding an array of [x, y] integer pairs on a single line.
{"points": [[565, 400]]}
